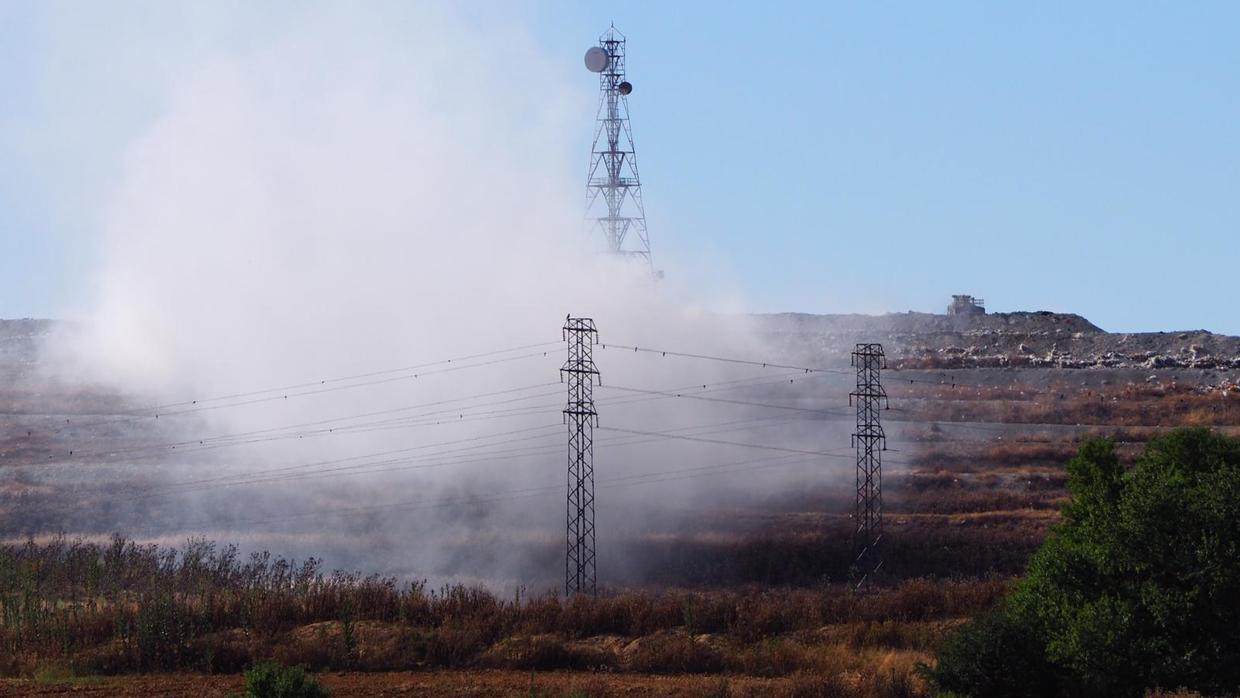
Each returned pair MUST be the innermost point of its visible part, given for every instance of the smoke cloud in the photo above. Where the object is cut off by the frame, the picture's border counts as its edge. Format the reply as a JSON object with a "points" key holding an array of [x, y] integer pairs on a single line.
{"points": [[312, 207]]}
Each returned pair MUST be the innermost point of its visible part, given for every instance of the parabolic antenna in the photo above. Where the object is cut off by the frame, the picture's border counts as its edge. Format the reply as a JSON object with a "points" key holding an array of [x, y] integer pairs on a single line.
{"points": [[625, 87], [597, 59]]}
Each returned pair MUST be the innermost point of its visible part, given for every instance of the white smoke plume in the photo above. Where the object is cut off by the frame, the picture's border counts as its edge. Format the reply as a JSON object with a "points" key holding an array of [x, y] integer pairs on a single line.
{"points": [[313, 207]]}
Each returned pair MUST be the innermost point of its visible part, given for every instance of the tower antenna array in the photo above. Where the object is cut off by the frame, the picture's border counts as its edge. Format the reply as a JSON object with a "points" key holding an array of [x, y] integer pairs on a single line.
{"points": [[614, 204]]}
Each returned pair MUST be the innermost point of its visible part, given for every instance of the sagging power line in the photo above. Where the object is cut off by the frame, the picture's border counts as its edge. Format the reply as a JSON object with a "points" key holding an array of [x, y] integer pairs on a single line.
{"points": [[196, 405]]}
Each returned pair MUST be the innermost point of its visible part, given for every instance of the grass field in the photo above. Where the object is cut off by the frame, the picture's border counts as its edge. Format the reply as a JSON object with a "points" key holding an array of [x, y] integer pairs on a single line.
{"points": [[757, 610]]}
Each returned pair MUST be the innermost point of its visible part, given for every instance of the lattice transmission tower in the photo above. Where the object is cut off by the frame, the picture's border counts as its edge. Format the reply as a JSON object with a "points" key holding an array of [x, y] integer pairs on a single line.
{"points": [[870, 442], [614, 205], [579, 415]]}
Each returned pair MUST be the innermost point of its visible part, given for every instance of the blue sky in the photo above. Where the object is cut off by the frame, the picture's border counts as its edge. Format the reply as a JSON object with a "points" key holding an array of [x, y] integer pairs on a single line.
{"points": [[828, 157]]}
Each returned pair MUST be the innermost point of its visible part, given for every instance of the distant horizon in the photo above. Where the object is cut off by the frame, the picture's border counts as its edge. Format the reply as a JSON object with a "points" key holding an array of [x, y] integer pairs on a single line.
{"points": [[859, 314]]}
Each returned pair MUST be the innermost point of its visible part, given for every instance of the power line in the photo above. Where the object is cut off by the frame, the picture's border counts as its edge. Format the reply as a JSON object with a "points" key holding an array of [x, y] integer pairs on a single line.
{"points": [[748, 403], [721, 442], [950, 382], [946, 381], [638, 479], [299, 472], [293, 469], [220, 441], [197, 405], [724, 359], [411, 376], [463, 416], [233, 438], [357, 376]]}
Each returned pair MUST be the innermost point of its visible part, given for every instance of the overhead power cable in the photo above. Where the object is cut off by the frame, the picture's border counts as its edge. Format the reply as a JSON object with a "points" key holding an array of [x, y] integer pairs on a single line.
{"points": [[274, 433], [748, 403], [637, 479], [766, 447], [464, 417], [285, 392], [724, 359], [317, 391], [220, 441], [434, 460], [293, 469], [946, 381], [950, 382]]}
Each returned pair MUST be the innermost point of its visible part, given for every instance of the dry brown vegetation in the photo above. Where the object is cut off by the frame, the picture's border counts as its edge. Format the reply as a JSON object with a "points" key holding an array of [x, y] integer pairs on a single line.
{"points": [[767, 608], [1127, 405], [86, 608], [891, 683]]}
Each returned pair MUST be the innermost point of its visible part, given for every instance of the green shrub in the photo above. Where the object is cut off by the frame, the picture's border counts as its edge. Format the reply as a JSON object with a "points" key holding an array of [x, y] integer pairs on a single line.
{"points": [[1138, 588], [993, 655], [271, 680]]}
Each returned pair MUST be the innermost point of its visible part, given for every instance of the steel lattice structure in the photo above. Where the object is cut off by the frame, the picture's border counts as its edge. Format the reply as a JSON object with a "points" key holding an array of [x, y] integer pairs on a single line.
{"points": [[579, 415], [870, 442], [614, 203]]}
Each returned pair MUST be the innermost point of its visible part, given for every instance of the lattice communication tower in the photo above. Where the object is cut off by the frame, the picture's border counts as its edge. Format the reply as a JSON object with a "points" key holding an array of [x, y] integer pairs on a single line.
{"points": [[614, 205]]}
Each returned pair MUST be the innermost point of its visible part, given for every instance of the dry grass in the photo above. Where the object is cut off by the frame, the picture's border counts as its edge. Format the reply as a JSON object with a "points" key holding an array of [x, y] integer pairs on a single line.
{"points": [[491, 683], [1128, 405], [768, 609], [127, 608]]}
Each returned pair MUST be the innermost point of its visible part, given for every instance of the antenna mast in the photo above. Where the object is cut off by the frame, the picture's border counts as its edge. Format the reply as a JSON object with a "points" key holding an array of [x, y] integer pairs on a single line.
{"points": [[613, 189]]}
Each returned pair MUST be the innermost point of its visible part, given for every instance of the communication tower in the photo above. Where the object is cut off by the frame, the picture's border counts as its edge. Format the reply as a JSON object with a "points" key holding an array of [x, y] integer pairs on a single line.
{"points": [[614, 204]]}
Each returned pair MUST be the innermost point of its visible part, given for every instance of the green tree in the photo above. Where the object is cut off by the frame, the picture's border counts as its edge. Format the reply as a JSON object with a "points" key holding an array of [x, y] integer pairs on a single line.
{"points": [[995, 655], [1138, 587]]}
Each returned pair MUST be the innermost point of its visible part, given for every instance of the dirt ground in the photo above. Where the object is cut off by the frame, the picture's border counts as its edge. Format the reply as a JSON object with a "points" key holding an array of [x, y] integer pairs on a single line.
{"points": [[458, 684]]}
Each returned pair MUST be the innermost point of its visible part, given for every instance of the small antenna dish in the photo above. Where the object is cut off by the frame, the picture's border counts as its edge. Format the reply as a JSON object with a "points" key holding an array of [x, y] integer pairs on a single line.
{"points": [[597, 59], [625, 87]]}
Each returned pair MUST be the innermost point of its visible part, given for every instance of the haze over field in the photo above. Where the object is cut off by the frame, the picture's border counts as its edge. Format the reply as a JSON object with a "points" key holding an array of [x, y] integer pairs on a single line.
{"points": [[306, 210], [296, 208]]}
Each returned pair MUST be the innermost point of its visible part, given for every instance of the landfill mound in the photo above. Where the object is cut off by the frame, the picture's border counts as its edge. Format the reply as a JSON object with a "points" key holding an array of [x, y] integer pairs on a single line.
{"points": [[996, 340]]}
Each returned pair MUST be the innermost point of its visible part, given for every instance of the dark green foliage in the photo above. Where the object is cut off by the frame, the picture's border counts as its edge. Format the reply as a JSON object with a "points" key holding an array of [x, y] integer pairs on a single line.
{"points": [[271, 680], [1138, 588], [994, 655]]}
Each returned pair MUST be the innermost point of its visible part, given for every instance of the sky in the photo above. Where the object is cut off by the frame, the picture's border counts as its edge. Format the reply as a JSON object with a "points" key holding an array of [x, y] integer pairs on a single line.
{"points": [[817, 156]]}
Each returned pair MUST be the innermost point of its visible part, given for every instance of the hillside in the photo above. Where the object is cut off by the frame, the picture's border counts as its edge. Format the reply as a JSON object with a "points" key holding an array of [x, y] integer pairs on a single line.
{"points": [[996, 340]]}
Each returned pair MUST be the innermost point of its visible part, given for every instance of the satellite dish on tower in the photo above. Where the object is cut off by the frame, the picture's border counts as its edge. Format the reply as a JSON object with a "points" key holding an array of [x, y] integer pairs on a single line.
{"points": [[597, 59], [625, 87]]}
